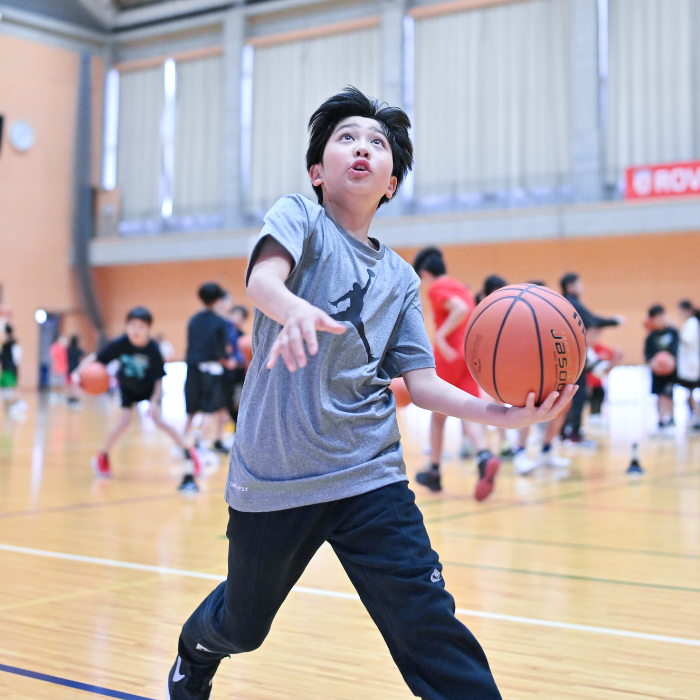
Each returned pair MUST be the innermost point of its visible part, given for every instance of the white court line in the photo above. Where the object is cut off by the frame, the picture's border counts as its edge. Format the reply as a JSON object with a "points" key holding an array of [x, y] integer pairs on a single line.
{"points": [[353, 596]]}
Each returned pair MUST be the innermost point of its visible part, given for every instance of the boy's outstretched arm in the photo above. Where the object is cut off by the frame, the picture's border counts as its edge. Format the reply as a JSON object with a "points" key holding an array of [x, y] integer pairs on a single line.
{"points": [[300, 320], [428, 391]]}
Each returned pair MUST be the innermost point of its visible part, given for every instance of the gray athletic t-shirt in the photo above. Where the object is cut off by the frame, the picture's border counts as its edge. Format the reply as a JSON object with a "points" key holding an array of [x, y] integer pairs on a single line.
{"points": [[328, 431]]}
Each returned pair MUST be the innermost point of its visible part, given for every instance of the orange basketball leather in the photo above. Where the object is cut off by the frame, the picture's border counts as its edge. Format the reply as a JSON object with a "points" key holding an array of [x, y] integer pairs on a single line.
{"points": [[524, 338]]}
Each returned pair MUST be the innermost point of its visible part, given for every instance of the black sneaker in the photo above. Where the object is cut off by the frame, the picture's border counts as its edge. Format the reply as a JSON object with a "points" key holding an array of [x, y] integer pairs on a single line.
{"points": [[430, 478], [507, 453], [189, 682], [219, 447], [188, 485]]}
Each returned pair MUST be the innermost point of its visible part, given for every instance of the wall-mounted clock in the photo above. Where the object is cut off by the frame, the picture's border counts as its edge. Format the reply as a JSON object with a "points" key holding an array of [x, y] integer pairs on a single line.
{"points": [[21, 135]]}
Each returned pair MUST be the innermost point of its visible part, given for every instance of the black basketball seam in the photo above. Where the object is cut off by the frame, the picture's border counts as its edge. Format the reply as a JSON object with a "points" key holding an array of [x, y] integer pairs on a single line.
{"points": [[481, 313], [573, 332], [498, 338]]}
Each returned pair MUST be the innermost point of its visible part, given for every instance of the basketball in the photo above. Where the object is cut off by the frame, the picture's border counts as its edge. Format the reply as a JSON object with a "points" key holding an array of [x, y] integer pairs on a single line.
{"points": [[663, 364], [94, 378], [398, 387], [524, 338], [245, 345]]}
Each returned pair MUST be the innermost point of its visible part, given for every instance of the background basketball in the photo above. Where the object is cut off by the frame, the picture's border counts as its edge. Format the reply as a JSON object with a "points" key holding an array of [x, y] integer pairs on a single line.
{"points": [[94, 379], [663, 364], [524, 338], [398, 387]]}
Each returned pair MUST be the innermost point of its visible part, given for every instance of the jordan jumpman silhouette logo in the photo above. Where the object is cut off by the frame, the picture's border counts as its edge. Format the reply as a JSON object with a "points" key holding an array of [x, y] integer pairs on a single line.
{"points": [[356, 297]]}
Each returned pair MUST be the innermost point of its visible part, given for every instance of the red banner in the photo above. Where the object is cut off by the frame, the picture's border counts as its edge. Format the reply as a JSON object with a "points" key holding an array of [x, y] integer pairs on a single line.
{"points": [[667, 180]]}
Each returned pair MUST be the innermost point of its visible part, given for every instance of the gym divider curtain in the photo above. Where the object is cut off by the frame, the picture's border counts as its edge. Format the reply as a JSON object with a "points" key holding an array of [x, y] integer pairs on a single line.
{"points": [[139, 145], [198, 138], [653, 111], [290, 81], [493, 99]]}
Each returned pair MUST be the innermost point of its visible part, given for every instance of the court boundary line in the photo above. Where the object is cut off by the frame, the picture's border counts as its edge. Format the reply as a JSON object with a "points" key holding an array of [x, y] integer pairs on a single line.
{"points": [[554, 624], [77, 685]]}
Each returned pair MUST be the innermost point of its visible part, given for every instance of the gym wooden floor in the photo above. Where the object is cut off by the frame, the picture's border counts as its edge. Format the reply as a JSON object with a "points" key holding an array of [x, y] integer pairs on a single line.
{"points": [[579, 585]]}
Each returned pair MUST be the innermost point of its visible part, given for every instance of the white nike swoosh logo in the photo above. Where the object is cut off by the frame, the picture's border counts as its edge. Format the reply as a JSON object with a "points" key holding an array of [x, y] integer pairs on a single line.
{"points": [[177, 676], [201, 648]]}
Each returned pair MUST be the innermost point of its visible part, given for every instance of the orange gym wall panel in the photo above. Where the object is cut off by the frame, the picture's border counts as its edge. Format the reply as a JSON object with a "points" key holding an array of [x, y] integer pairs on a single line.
{"points": [[39, 84], [622, 275], [169, 290]]}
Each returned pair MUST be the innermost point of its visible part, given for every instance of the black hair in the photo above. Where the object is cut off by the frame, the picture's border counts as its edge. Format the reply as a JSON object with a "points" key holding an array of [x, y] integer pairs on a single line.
{"points": [[140, 313], [656, 310], [353, 103], [430, 260], [73, 341], [8, 329], [210, 292], [241, 309], [539, 283], [566, 280], [492, 283], [688, 305]]}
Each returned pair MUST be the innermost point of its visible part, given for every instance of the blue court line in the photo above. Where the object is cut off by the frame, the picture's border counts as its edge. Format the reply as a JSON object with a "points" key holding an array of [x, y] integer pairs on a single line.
{"points": [[96, 689]]}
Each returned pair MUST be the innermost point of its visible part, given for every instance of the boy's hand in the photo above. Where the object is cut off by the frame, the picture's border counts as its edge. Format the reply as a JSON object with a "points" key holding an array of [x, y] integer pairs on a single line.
{"points": [[301, 326], [551, 407]]}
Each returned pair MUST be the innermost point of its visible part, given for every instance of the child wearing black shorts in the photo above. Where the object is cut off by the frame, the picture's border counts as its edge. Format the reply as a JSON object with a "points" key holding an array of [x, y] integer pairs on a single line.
{"points": [[206, 357], [141, 370], [662, 338], [317, 455]]}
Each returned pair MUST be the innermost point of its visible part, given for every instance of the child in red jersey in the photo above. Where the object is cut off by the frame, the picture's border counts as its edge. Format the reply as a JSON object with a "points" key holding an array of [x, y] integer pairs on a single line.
{"points": [[452, 303]]}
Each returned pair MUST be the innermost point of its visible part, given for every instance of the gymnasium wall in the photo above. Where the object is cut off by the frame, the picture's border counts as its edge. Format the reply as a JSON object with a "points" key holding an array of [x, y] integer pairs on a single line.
{"points": [[169, 290], [36, 188], [622, 275]]}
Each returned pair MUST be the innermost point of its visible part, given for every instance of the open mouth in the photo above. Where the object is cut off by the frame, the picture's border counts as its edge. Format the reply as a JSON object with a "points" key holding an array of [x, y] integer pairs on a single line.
{"points": [[360, 166]]}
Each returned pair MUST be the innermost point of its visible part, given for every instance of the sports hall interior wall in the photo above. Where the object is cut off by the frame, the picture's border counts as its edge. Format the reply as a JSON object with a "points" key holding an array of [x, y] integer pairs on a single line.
{"points": [[36, 189], [622, 275]]}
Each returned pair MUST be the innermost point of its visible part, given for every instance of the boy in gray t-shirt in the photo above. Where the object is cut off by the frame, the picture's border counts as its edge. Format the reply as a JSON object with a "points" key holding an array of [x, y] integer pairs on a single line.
{"points": [[317, 454]]}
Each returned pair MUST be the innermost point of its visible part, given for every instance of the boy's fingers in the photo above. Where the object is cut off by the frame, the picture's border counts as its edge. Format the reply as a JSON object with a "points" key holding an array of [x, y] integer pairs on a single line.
{"points": [[296, 345], [308, 330], [530, 401], [546, 405], [272, 357], [326, 323]]}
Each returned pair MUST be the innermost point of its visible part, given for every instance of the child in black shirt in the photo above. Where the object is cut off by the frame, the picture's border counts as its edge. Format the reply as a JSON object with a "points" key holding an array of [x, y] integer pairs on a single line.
{"points": [[207, 358], [662, 338], [141, 370]]}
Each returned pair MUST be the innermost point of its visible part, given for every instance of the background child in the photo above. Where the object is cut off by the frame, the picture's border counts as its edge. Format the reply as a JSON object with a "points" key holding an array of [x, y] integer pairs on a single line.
{"points": [[75, 355], [688, 369], [207, 337], [605, 358], [140, 374], [452, 304], [235, 377], [10, 359], [662, 338]]}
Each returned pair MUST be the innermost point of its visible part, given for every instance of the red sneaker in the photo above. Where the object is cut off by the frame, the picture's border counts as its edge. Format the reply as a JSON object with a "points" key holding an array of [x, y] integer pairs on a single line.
{"points": [[488, 468], [196, 464], [101, 467]]}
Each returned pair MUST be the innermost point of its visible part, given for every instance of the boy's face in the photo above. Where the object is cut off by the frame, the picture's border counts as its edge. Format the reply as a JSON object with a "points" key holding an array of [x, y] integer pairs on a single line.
{"points": [[659, 322], [138, 332], [357, 163], [236, 317], [426, 278]]}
